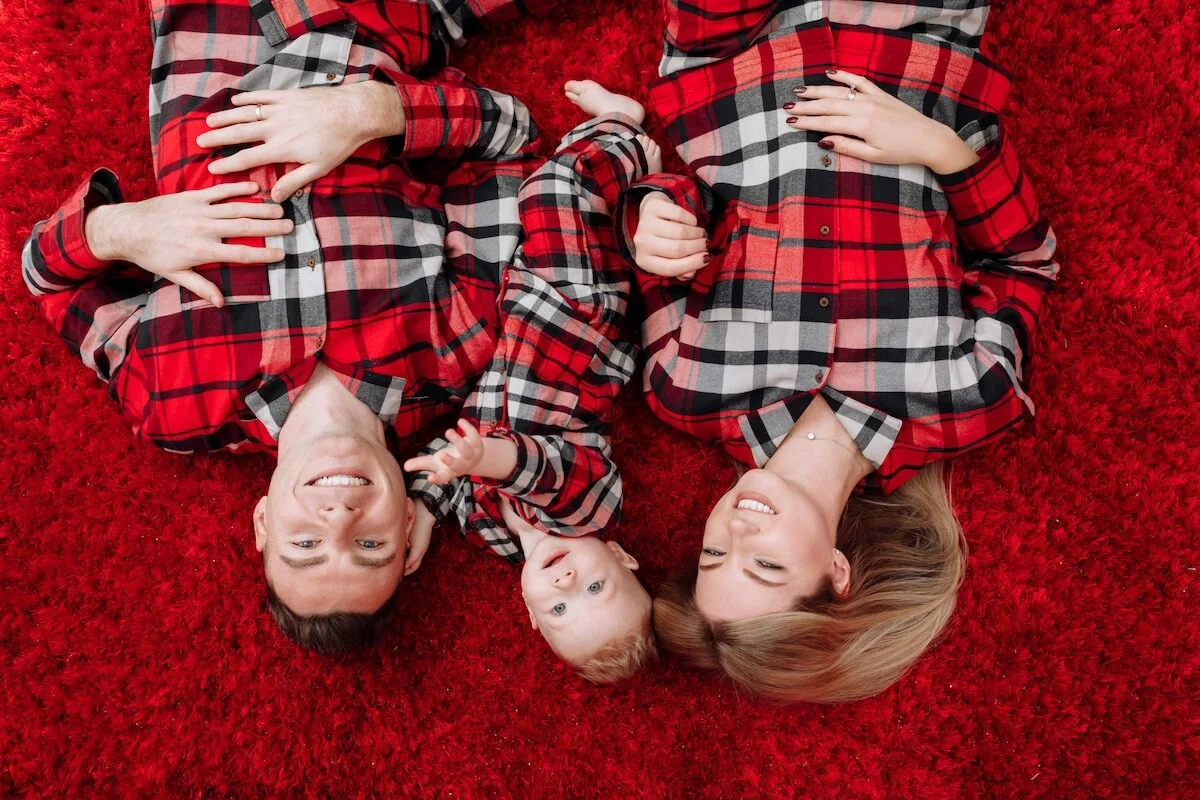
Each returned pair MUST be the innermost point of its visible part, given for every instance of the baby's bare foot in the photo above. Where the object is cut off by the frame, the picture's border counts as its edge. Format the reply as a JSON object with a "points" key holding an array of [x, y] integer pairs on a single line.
{"points": [[653, 153], [595, 100]]}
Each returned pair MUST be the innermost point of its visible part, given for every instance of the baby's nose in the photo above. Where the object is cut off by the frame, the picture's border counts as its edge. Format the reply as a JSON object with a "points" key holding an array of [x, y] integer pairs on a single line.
{"points": [[565, 580]]}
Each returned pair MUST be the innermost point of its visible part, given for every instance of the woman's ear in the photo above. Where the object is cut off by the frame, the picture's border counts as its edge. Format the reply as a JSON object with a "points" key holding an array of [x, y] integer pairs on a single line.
{"points": [[841, 574], [260, 524], [627, 561]]}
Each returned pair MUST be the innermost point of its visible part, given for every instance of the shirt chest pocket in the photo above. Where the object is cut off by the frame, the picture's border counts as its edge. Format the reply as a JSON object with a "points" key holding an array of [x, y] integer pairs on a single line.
{"points": [[743, 275], [310, 42]]}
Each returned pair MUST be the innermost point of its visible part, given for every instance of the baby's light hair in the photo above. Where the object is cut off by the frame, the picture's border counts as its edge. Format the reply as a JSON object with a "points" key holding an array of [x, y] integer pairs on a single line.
{"points": [[623, 658]]}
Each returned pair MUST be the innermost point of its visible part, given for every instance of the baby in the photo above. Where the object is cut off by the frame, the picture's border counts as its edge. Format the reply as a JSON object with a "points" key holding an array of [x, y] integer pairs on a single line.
{"points": [[528, 471]]}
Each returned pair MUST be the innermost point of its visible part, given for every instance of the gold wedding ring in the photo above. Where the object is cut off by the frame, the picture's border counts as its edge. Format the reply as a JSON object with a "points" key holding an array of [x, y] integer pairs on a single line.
{"points": [[258, 112]]}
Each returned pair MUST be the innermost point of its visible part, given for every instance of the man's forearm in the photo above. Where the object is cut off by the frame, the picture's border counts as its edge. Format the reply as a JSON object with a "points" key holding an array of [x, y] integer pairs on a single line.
{"points": [[104, 230], [383, 110]]}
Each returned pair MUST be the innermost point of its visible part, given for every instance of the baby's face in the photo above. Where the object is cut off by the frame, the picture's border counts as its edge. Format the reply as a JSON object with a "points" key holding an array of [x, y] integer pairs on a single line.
{"points": [[582, 594]]}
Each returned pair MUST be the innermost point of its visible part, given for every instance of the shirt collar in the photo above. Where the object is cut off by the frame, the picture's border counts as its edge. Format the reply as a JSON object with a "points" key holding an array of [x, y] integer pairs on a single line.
{"points": [[272, 401]]}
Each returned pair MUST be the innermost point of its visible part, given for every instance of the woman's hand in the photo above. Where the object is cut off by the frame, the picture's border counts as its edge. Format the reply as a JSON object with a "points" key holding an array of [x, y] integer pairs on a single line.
{"points": [[668, 241], [875, 126], [317, 128], [169, 236]]}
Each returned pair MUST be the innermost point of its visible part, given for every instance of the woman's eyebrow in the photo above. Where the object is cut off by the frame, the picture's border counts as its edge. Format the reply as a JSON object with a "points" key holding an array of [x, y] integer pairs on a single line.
{"points": [[754, 577]]}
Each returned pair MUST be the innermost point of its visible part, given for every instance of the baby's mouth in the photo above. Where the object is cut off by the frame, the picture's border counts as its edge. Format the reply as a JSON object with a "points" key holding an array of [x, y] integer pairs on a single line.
{"points": [[554, 559]]}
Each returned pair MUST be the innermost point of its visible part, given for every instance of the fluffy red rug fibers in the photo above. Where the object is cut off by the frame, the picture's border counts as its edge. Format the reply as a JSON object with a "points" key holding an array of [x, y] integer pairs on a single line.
{"points": [[138, 658]]}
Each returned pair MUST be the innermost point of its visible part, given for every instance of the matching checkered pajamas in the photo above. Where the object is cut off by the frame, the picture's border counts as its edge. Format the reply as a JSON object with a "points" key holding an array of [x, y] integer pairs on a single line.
{"points": [[389, 280], [909, 301], [562, 355]]}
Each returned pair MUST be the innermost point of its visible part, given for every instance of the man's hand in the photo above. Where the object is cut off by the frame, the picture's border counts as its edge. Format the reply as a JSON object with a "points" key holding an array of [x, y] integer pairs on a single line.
{"points": [[317, 128], [418, 540], [170, 235], [668, 241]]}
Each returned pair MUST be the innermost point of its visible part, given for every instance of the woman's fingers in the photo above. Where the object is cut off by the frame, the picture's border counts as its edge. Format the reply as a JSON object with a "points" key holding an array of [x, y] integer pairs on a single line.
{"points": [[669, 211], [245, 160], [858, 82], [840, 107], [242, 133], [673, 248], [252, 228], [855, 148], [849, 126], [672, 267], [246, 211], [228, 191]]}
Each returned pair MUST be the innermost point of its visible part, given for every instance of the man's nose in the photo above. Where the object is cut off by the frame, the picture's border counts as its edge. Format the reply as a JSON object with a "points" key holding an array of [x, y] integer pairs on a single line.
{"points": [[335, 512], [566, 580], [742, 527]]}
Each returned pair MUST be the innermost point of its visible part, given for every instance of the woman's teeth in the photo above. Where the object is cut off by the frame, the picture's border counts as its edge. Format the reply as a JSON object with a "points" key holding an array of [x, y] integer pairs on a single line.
{"points": [[341, 480], [754, 505]]}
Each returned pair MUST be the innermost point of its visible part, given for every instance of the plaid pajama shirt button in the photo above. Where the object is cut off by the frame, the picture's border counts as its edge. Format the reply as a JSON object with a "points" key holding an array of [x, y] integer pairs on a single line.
{"points": [[824, 230], [826, 161], [823, 302]]}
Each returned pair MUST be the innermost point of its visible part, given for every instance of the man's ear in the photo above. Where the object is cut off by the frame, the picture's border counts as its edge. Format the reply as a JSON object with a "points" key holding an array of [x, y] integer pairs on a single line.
{"points": [[532, 618], [411, 510], [260, 524], [626, 560], [840, 574]]}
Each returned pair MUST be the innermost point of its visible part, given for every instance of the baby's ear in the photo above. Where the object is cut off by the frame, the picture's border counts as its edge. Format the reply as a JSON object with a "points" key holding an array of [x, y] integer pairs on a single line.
{"points": [[532, 618], [626, 560]]}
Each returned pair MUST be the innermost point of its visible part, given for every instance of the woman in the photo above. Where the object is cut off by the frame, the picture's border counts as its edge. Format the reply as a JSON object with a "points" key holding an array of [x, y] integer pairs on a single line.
{"points": [[846, 296]]}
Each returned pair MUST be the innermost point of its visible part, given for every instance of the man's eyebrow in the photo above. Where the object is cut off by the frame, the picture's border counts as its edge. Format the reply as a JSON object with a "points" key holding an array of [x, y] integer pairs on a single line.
{"points": [[373, 563], [754, 577], [303, 562]]}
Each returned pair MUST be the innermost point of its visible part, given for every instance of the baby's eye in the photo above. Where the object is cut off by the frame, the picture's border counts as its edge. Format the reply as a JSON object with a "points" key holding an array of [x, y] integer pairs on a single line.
{"points": [[370, 544], [559, 609], [596, 587], [710, 551]]}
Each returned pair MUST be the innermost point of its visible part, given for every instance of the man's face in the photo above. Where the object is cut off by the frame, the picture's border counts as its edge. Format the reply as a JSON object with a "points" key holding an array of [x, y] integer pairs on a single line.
{"points": [[334, 526]]}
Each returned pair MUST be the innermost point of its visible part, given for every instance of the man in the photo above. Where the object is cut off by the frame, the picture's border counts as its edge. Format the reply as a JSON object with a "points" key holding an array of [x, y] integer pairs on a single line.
{"points": [[309, 309]]}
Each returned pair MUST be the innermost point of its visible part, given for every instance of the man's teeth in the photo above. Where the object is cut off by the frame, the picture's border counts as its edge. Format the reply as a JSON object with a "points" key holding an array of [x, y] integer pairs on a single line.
{"points": [[754, 505], [341, 480]]}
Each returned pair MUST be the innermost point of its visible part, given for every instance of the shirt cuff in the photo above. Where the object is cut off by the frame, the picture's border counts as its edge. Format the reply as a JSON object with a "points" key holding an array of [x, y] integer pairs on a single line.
{"points": [[66, 235], [526, 474], [427, 122]]}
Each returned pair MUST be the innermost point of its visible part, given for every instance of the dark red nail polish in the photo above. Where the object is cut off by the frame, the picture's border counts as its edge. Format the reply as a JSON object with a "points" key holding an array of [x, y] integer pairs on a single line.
{"points": [[824, 145], [801, 89], [789, 106], [707, 258], [792, 119], [831, 72]]}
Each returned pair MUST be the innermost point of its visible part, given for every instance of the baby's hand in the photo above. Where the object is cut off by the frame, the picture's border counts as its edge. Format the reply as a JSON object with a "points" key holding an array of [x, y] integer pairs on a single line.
{"points": [[668, 241], [460, 457]]}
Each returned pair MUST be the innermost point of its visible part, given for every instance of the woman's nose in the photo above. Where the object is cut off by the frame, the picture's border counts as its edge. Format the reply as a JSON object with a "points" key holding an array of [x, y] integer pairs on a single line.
{"points": [[566, 580], [742, 527]]}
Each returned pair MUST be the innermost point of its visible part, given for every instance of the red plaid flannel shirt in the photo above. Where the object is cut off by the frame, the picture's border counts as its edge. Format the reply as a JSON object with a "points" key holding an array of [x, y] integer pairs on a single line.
{"points": [[563, 353], [390, 280], [910, 301]]}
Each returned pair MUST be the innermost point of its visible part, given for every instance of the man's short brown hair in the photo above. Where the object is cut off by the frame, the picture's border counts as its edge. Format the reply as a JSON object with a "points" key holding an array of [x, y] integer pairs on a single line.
{"points": [[329, 634], [623, 658]]}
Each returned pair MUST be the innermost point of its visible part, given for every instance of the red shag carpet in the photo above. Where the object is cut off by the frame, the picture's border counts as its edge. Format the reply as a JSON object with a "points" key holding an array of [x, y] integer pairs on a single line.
{"points": [[138, 660]]}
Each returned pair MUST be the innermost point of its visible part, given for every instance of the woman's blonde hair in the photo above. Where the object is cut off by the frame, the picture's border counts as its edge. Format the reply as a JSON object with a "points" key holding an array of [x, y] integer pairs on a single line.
{"points": [[907, 558]]}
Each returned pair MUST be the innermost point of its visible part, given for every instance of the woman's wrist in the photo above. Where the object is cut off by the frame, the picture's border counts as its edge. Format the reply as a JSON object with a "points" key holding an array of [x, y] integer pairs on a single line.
{"points": [[950, 154]]}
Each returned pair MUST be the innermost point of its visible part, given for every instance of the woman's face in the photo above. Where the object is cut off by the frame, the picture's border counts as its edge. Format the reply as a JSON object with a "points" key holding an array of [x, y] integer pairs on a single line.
{"points": [[766, 545]]}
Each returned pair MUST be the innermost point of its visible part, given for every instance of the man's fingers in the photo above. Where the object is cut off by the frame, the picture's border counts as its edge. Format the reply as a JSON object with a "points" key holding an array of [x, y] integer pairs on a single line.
{"points": [[252, 228], [241, 254], [246, 211], [234, 116], [262, 98], [201, 287], [228, 191], [245, 160], [242, 133], [294, 181]]}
